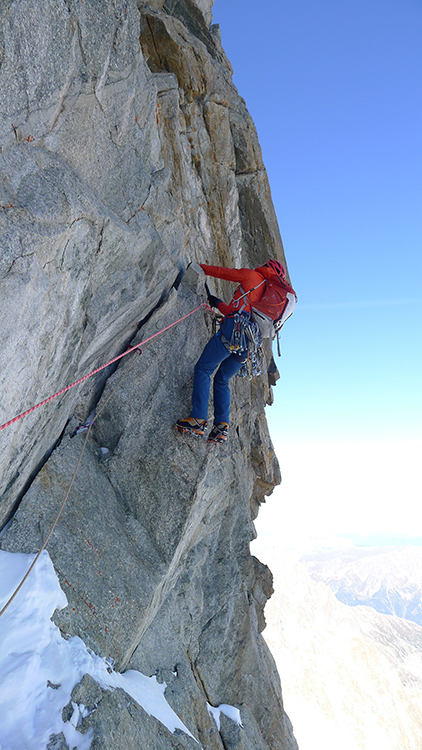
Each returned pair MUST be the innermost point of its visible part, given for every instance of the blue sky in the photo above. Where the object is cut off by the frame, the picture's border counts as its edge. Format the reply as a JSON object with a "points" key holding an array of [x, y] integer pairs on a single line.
{"points": [[334, 88]]}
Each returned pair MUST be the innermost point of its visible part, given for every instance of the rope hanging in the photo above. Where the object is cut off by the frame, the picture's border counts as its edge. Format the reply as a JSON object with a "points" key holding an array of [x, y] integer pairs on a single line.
{"points": [[94, 372], [20, 416]]}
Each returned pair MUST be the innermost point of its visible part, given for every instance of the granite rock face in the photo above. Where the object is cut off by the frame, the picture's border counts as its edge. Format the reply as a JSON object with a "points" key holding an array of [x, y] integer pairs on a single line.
{"points": [[126, 152]]}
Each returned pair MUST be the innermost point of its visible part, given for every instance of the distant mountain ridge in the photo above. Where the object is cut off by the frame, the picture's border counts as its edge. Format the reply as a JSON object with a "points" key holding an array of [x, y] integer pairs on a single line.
{"points": [[352, 678], [388, 579]]}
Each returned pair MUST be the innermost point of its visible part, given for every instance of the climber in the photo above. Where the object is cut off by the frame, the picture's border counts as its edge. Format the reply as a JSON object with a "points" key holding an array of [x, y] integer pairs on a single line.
{"points": [[228, 348]]}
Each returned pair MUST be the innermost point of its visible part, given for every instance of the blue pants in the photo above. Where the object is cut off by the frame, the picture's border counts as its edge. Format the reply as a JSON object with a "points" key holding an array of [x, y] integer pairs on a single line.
{"points": [[214, 354]]}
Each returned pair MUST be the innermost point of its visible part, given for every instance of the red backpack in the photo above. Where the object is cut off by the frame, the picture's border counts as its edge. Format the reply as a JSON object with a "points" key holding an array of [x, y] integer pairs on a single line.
{"points": [[275, 306]]}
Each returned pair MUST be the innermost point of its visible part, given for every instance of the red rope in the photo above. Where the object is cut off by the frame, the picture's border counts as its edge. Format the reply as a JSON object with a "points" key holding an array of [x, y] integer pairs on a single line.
{"points": [[94, 372]]}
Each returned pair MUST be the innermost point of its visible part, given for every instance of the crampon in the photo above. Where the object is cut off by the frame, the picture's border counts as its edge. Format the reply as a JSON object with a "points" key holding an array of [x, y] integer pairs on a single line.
{"points": [[192, 425], [219, 433]]}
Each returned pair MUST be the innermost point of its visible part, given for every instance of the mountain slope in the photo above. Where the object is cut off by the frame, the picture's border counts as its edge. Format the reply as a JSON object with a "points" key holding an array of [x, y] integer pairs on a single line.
{"points": [[387, 579], [352, 677]]}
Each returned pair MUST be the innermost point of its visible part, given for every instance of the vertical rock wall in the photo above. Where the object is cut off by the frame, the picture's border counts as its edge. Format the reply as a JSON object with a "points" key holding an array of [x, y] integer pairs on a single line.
{"points": [[126, 152]]}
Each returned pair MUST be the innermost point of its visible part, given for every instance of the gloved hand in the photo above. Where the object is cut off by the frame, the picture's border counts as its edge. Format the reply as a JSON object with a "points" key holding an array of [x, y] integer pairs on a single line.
{"points": [[213, 301]]}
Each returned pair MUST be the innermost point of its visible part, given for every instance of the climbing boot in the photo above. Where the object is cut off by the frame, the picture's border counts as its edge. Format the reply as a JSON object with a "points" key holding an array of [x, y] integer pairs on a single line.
{"points": [[190, 424], [219, 433]]}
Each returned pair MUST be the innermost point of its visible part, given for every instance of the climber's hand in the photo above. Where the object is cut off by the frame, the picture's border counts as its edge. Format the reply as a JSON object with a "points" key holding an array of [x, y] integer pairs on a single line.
{"points": [[213, 301]]}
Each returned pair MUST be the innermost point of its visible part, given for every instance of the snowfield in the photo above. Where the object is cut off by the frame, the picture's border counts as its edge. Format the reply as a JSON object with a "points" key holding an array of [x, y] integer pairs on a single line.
{"points": [[39, 668]]}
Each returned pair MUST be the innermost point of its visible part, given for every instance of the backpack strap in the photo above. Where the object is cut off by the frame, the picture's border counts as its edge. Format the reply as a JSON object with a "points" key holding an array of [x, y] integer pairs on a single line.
{"points": [[287, 312], [236, 302]]}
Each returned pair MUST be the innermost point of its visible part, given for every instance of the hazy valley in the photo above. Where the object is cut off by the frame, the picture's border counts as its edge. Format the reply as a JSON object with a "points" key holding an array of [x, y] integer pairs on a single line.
{"points": [[352, 677]]}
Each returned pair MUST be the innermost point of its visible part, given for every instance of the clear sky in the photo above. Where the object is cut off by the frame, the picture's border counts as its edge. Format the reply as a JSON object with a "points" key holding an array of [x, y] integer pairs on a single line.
{"points": [[334, 88]]}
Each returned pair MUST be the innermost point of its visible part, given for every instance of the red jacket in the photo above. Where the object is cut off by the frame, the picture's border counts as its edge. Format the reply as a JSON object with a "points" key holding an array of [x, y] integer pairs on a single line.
{"points": [[248, 279]]}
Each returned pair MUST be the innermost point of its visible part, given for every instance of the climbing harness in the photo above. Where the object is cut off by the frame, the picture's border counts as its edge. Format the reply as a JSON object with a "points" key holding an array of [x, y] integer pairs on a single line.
{"points": [[240, 333]]}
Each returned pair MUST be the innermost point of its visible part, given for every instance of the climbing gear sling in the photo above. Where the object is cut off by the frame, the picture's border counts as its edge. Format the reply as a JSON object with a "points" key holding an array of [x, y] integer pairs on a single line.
{"points": [[242, 332]]}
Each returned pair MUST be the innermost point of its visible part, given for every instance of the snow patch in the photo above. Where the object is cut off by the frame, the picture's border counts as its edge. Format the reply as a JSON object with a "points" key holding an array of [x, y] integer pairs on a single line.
{"points": [[230, 711], [39, 668]]}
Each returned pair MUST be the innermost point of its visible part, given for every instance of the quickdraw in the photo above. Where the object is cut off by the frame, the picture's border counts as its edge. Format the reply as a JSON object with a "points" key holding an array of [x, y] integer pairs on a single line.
{"points": [[255, 363], [246, 337], [239, 339]]}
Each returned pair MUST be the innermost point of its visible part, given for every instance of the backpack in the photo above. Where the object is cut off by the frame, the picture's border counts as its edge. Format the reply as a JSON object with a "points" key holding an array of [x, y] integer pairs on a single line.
{"points": [[274, 307]]}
